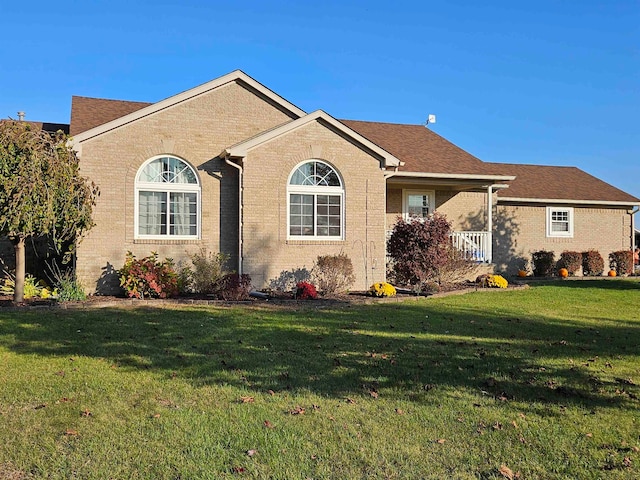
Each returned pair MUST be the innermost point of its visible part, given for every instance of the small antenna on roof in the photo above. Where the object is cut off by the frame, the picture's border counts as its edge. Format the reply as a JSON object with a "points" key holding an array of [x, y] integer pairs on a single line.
{"points": [[430, 119], [20, 116]]}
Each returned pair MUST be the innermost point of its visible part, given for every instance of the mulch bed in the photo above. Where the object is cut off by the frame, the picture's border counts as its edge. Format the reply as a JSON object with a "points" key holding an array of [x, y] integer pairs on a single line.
{"points": [[345, 300]]}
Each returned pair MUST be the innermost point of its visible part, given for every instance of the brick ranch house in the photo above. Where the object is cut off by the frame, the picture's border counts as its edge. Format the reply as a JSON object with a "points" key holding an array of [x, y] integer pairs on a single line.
{"points": [[230, 166]]}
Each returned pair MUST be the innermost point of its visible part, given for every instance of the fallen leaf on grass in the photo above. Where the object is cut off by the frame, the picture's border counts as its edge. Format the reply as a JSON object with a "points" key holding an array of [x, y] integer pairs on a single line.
{"points": [[399, 411], [271, 392], [251, 452], [589, 435], [239, 470], [298, 410], [441, 441], [156, 415], [38, 407], [350, 401], [626, 462], [246, 399], [86, 413], [60, 373], [268, 424], [506, 472], [635, 449], [70, 432], [497, 426], [374, 394]]}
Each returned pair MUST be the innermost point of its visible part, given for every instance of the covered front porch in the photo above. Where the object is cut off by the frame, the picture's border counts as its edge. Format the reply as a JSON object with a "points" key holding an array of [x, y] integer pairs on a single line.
{"points": [[466, 200]]}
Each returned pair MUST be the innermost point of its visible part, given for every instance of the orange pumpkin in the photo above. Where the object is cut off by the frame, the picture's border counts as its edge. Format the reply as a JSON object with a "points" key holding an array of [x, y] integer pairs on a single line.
{"points": [[522, 273], [612, 273], [563, 272]]}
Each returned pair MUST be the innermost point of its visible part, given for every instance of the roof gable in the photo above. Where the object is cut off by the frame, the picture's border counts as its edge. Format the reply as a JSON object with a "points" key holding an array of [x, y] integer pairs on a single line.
{"points": [[241, 149], [149, 109]]}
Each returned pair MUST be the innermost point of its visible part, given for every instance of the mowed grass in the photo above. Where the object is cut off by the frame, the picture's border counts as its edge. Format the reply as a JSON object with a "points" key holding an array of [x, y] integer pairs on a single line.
{"points": [[537, 383]]}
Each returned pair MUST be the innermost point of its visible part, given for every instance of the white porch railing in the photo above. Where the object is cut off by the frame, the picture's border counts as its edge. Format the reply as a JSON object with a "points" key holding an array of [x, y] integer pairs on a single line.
{"points": [[474, 246]]}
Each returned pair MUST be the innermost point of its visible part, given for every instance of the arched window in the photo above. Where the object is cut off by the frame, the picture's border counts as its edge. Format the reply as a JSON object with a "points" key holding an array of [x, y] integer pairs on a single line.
{"points": [[167, 199], [315, 201]]}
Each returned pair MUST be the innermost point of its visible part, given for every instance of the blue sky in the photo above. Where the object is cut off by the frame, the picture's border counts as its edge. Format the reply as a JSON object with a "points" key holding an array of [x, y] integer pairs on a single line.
{"points": [[546, 82]]}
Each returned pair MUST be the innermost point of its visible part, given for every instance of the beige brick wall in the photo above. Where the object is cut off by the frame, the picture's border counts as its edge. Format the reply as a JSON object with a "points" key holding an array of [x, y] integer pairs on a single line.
{"points": [[196, 130], [465, 210], [521, 230], [267, 252]]}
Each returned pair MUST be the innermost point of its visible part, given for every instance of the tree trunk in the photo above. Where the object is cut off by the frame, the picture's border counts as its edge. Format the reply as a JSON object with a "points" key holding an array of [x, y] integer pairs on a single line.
{"points": [[18, 292]]}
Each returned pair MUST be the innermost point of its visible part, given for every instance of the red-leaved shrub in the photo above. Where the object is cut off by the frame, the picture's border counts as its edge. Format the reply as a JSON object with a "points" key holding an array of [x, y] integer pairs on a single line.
{"points": [[235, 287], [419, 249], [148, 277], [592, 263], [572, 261], [306, 291], [621, 261]]}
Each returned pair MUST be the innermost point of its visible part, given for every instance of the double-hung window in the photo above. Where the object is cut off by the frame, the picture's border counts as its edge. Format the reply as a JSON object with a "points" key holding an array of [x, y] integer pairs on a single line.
{"points": [[315, 202], [559, 222], [418, 204], [167, 200]]}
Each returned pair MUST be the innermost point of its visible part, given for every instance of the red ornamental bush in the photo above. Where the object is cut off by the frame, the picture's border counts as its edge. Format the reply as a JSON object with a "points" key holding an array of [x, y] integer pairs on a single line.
{"points": [[621, 261], [148, 277], [592, 263], [419, 249], [234, 287], [543, 263], [306, 291], [572, 261]]}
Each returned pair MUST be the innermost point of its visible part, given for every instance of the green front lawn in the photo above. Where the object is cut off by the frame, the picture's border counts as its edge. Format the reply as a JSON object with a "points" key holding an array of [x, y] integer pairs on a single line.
{"points": [[538, 383]]}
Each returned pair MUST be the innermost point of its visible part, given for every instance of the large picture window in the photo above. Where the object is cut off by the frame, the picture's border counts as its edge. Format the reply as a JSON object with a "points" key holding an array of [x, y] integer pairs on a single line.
{"points": [[559, 222], [167, 199], [315, 201]]}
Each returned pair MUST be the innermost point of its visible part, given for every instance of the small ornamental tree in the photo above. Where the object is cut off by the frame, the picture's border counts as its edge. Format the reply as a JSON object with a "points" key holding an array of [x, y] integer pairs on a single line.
{"points": [[41, 191], [419, 249]]}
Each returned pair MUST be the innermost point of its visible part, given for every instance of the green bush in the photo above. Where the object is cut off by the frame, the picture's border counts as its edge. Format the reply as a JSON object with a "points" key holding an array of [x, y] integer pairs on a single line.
{"points": [[148, 277], [333, 273], [208, 271], [592, 263], [622, 262], [543, 263], [572, 261]]}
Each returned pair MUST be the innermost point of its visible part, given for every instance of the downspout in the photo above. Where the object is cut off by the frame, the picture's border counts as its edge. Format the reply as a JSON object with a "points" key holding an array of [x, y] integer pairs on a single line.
{"points": [[240, 205]]}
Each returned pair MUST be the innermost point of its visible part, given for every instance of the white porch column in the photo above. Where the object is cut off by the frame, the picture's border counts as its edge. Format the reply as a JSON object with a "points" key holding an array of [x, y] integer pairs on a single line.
{"points": [[490, 223]]}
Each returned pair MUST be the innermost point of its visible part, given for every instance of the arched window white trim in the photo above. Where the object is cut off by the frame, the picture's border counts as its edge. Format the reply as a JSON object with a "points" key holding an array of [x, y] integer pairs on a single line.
{"points": [[315, 202], [167, 200]]}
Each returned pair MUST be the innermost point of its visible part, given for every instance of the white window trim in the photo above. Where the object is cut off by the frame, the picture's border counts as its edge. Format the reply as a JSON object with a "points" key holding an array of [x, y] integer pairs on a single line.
{"points": [[315, 191], [552, 234], [166, 188], [431, 194]]}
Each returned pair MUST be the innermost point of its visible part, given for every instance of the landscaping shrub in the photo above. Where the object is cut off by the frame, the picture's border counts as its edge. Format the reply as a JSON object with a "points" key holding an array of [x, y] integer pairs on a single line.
{"points": [[306, 291], [572, 261], [148, 277], [382, 289], [333, 273], [543, 263], [208, 271], [622, 262], [457, 268], [33, 288], [235, 287], [592, 263], [497, 281], [419, 250], [67, 286]]}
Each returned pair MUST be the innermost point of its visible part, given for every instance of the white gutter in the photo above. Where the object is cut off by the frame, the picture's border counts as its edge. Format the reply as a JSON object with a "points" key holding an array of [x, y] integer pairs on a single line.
{"points": [[569, 201], [240, 208]]}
